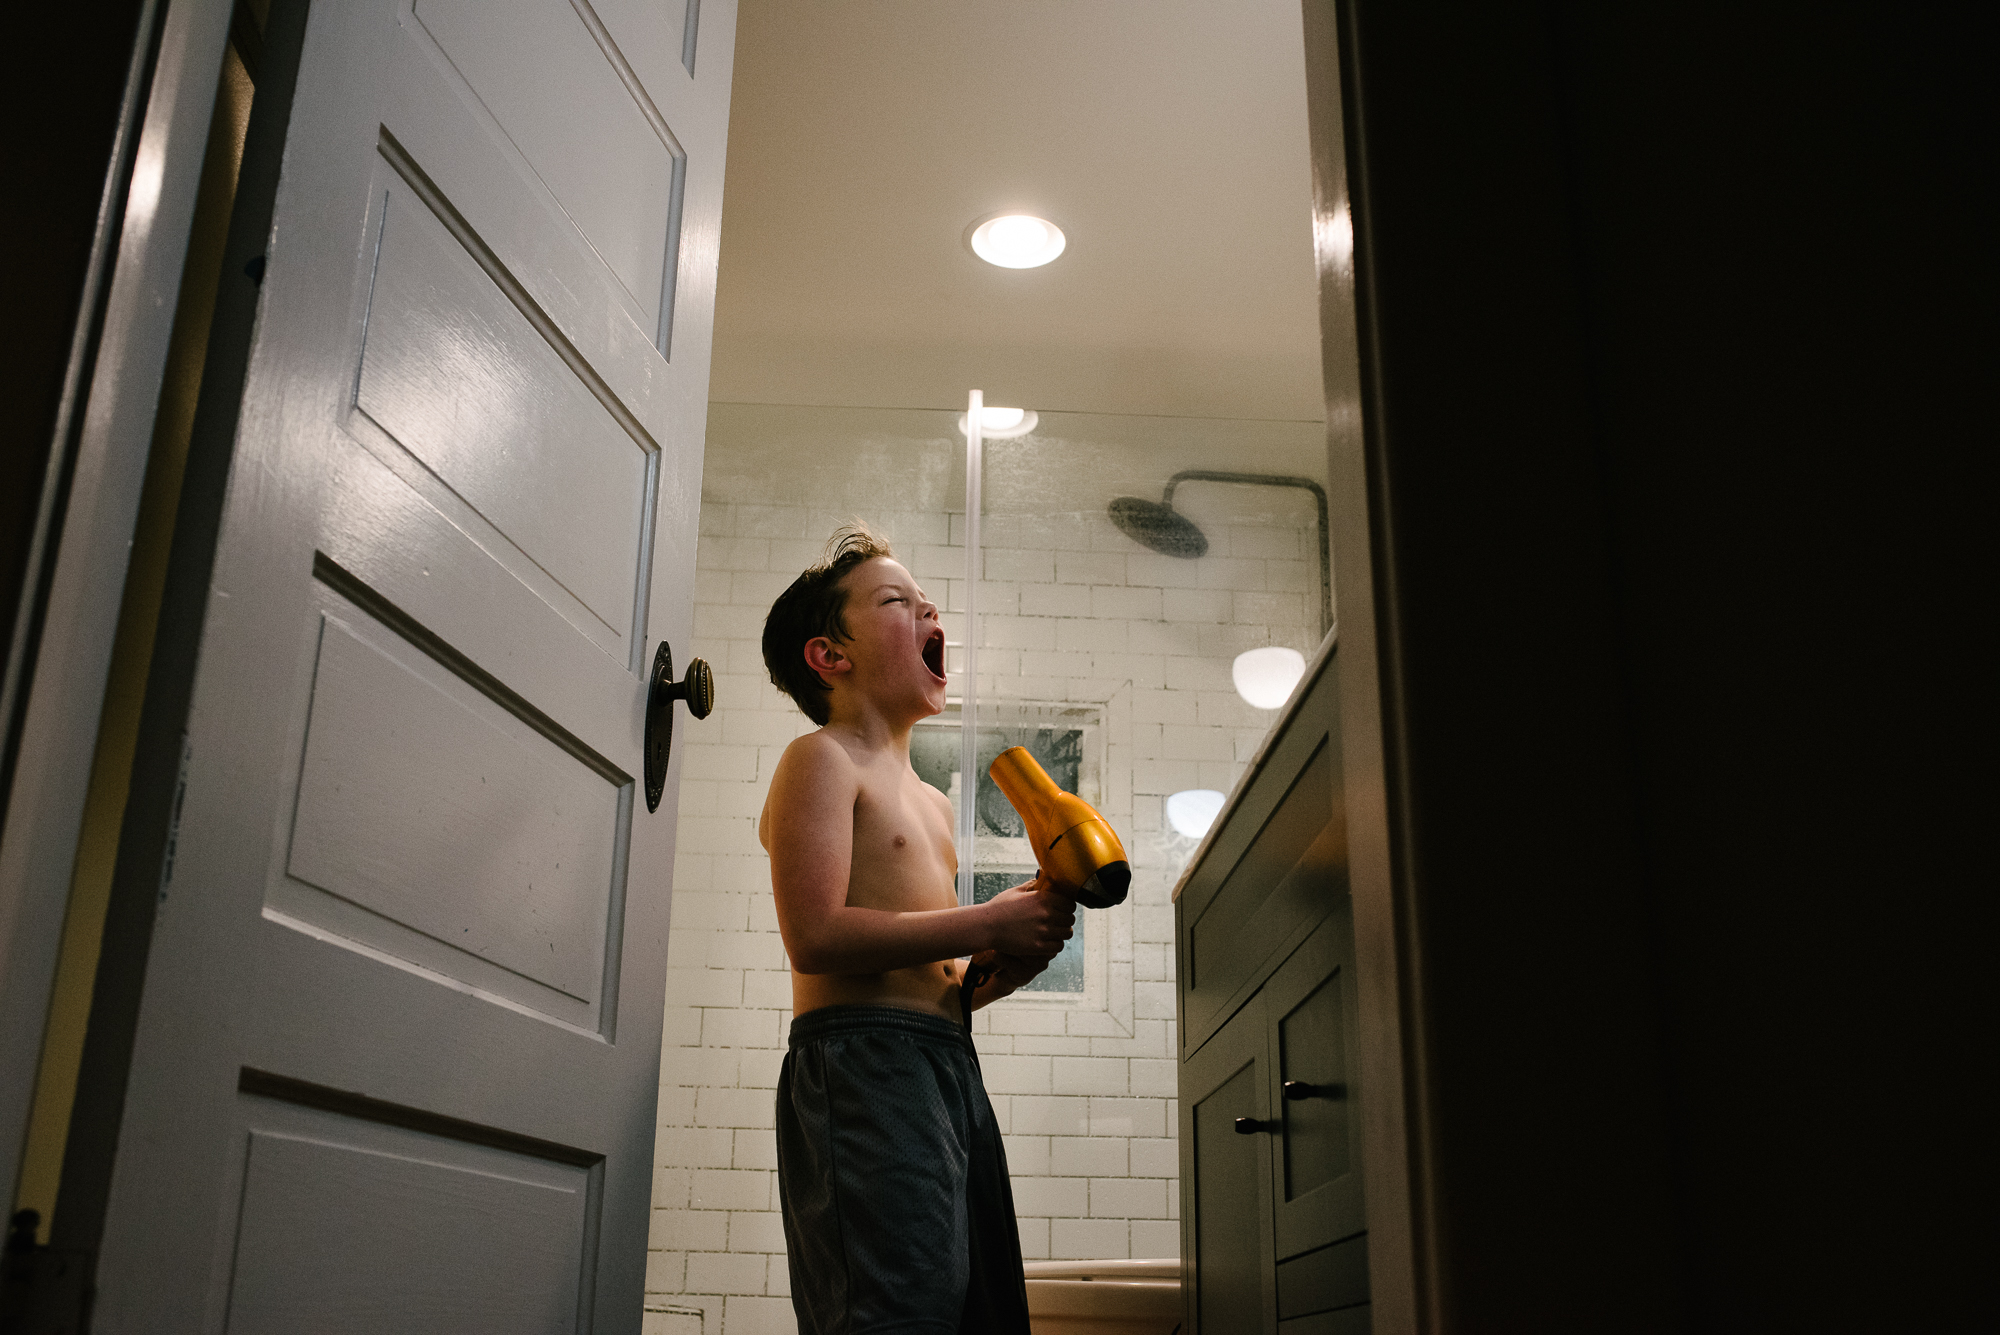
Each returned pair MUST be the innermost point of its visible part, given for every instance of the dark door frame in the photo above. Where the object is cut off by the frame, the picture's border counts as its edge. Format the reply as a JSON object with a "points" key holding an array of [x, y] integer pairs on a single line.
{"points": [[1657, 507], [96, 442]]}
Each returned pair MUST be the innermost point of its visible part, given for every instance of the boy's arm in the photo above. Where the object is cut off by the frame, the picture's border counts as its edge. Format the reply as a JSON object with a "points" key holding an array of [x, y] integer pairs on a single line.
{"points": [[808, 829]]}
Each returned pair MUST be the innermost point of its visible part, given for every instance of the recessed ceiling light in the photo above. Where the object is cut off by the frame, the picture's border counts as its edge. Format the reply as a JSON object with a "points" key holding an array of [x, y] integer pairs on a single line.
{"points": [[1016, 241], [1003, 423]]}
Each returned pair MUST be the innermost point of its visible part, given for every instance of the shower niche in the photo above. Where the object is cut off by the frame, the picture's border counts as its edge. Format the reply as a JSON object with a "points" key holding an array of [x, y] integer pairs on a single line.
{"points": [[1069, 741]]}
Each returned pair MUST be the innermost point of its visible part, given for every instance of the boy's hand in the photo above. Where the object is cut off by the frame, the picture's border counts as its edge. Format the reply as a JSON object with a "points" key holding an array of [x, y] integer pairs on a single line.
{"points": [[1014, 971], [1031, 920], [1009, 973]]}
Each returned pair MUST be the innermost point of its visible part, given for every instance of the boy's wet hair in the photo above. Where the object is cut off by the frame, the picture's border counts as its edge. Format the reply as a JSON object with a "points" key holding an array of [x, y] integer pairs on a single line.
{"points": [[814, 605]]}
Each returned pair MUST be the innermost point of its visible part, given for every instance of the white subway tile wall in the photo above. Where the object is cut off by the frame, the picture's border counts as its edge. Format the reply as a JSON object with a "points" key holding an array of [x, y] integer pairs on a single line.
{"points": [[1072, 610]]}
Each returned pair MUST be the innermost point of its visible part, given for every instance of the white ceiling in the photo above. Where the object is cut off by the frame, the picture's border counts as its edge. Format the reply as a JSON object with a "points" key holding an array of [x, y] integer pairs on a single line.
{"points": [[1166, 137]]}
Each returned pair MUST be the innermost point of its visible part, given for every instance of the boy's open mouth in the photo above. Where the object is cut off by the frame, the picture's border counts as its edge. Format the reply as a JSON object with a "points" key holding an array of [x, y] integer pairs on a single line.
{"points": [[934, 654]]}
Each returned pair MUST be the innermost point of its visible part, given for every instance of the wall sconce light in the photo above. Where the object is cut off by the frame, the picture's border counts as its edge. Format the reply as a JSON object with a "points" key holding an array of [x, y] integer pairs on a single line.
{"points": [[1193, 811], [1265, 677]]}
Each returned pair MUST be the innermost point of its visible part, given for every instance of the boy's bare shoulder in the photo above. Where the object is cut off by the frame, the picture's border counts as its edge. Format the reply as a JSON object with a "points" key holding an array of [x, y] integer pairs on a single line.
{"points": [[817, 752], [815, 769]]}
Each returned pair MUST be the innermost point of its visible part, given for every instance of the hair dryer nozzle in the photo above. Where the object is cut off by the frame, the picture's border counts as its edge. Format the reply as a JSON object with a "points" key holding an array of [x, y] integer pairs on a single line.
{"points": [[1106, 886], [1077, 848]]}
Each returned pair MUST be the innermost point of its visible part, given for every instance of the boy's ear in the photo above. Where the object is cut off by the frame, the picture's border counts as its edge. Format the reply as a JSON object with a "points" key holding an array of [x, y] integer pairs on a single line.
{"points": [[824, 657]]}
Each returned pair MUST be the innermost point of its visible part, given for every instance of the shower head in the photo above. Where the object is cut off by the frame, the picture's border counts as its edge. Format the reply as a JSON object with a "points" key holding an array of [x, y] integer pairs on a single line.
{"points": [[1158, 525]]}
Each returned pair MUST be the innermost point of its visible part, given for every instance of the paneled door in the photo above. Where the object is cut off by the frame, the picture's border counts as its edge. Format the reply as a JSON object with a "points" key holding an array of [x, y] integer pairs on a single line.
{"points": [[1275, 1231], [396, 1053], [1315, 1133], [1225, 1102]]}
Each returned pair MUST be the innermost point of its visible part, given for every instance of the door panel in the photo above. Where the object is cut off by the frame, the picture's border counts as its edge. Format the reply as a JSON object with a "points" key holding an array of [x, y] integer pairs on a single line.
{"points": [[409, 903], [1228, 1238], [457, 375], [452, 151], [358, 1227], [432, 806], [1312, 1050], [562, 92], [1316, 1183], [1225, 1168]]}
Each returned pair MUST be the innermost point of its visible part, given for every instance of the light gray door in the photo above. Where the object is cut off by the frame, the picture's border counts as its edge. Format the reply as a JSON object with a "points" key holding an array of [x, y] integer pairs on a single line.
{"points": [[397, 1052]]}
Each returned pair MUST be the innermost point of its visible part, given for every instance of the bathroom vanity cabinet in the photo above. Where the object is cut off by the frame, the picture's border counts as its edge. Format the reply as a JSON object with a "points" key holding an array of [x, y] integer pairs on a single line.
{"points": [[1272, 1231]]}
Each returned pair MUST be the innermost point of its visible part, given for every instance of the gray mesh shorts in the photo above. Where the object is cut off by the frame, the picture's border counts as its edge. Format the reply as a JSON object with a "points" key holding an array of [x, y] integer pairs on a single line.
{"points": [[898, 1212]]}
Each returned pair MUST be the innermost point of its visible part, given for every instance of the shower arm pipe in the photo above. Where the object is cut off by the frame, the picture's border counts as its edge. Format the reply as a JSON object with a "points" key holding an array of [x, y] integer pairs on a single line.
{"points": [[1276, 480], [968, 736]]}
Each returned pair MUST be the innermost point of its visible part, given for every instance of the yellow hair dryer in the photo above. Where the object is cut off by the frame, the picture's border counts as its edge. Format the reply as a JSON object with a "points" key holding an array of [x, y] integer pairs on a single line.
{"points": [[1075, 846]]}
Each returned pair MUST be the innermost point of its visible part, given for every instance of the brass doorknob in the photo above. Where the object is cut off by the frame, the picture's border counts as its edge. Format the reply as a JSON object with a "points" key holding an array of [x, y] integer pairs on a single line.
{"points": [[697, 687]]}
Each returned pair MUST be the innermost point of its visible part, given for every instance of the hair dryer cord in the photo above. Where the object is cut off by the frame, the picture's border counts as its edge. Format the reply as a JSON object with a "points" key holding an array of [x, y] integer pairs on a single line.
{"points": [[975, 978]]}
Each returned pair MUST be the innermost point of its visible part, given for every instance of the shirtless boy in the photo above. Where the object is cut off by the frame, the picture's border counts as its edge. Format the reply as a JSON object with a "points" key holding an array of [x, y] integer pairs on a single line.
{"points": [[898, 1212]]}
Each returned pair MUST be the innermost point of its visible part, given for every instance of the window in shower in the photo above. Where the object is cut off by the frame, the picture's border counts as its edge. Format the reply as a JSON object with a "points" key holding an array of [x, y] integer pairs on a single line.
{"points": [[1068, 741]]}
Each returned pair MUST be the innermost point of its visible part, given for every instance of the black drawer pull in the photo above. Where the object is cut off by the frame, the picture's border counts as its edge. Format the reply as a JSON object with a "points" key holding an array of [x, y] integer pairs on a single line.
{"points": [[1299, 1089], [1250, 1126]]}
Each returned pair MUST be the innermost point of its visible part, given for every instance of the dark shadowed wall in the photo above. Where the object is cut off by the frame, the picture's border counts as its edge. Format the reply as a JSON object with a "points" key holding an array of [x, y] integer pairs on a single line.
{"points": [[1675, 329]]}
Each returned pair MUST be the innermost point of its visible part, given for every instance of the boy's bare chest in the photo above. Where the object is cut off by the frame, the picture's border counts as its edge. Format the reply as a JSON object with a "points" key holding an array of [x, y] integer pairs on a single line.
{"points": [[903, 852]]}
